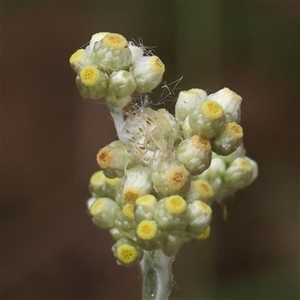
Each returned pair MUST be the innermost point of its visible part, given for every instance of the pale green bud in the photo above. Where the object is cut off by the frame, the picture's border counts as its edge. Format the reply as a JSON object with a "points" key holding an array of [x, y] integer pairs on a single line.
{"points": [[121, 85], [125, 221], [200, 190], [115, 158], [186, 129], [216, 169], [171, 178], [187, 101], [101, 186], [207, 120], [230, 102], [229, 140], [79, 59], [239, 173], [199, 215], [104, 212], [136, 183], [195, 154], [127, 252], [148, 72], [92, 83], [144, 208], [112, 52], [170, 214]]}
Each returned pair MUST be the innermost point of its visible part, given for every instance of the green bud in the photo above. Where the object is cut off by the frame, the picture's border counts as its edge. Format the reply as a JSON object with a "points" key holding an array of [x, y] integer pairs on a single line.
{"points": [[230, 102], [148, 72], [136, 183], [104, 212], [200, 190], [195, 154], [92, 83], [115, 158], [145, 208], [125, 221], [207, 120], [229, 140], [170, 214], [187, 101], [115, 233], [127, 252], [172, 244], [170, 178], [199, 215]]}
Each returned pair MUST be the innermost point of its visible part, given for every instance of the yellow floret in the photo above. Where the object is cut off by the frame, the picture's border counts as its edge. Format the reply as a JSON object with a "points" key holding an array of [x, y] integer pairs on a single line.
{"points": [[127, 254], [89, 75], [128, 211], [112, 181], [204, 189], [175, 204], [146, 200], [203, 207], [212, 109], [201, 143], [244, 164], [97, 178], [157, 64], [205, 234], [115, 41], [104, 158], [131, 193], [146, 230], [97, 206], [76, 56], [235, 130], [177, 177]]}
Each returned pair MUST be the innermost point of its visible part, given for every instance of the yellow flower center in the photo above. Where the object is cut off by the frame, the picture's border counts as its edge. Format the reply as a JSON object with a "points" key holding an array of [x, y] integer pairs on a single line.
{"points": [[146, 230], [115, 41], [235, 130], [128, 211], [212, 109], [157, 64], [104, 158], [201, 143], [97, 206], [89, 75], [131, 193], [177, 177], [175, 204], [204, 189], [126, 253]]}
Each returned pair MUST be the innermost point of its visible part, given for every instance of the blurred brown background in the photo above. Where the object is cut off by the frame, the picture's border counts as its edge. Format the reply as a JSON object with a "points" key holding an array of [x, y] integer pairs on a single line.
{"points": [[50, 136]]}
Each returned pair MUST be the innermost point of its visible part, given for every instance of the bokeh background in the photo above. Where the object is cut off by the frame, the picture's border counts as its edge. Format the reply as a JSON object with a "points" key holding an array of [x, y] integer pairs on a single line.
{"points": [[50, 136]]}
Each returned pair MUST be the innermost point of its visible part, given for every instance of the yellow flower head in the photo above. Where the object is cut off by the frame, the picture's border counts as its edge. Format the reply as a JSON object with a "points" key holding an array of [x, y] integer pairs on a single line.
{"points": [[235, 130], [204, 189], [146, 230], [104, 158], [89, 75], [177, 177], [128, 211], [212, 109], [115, 41], [126, 253], [205, 234], [175, 204], [131, 193]]}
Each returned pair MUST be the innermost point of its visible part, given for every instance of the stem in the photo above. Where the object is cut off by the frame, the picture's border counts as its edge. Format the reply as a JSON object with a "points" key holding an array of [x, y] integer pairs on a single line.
{"points": [[118, 117], [157, 275]]}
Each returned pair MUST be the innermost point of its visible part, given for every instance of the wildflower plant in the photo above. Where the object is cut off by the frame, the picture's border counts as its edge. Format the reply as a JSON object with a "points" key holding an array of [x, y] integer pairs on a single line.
{"points": [[158, 181]]}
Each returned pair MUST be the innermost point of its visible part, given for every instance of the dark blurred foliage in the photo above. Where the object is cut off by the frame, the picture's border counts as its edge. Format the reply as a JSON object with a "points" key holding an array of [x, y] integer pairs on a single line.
{"points": [[50, 136]]}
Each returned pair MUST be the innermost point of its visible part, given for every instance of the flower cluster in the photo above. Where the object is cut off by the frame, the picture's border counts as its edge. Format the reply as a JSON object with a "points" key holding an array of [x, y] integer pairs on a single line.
{"points": [[113, 68], [158, 181]]}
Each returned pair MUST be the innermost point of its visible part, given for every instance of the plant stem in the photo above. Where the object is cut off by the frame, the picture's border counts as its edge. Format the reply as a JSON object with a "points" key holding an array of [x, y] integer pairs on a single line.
{"points": [[157, 275], [118, 117]]}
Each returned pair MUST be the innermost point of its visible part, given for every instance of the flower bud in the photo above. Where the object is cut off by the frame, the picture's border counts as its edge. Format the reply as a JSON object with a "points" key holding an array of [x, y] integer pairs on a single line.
{"points": [[112, 52], [229, 140], [127, 252], [230, 102], [125, 221], [104, 212], [144, 208], [170, 178], [136, 183], [121, 85], [172, 244], [136, 52], [187, 101], [205, 234], [207, 120], [148, 72], [199, 216], [115, 158], [195, 154], [91, 82], [79, 59], [170, 214], [200, 190]]}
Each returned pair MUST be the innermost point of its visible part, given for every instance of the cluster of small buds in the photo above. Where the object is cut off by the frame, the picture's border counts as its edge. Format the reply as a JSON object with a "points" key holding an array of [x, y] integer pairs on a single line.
{"points": [[110, 67], [158, 181]]}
